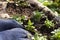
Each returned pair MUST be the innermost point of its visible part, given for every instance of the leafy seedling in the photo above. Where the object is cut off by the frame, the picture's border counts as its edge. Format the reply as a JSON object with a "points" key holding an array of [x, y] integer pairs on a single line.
{"points": [[22, 3], [49, 23], [37, 16], [39, 37], [56, 34], [30, 26], [19, 19]]}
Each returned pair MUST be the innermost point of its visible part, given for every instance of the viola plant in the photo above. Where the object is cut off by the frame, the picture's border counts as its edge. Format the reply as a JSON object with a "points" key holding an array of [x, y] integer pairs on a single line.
{"points": [[19, 19], [21, 2], [49, 23], [30, 26], [56, 34], [37, 16], [39, 37]]}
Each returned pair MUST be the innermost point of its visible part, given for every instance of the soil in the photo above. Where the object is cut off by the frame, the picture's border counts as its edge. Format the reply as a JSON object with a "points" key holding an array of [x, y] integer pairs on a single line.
{"points": [[28, 11], [13, 9]]}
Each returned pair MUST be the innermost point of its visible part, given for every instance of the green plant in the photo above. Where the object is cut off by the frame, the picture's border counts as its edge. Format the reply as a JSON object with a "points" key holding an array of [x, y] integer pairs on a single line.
{"points": [[21, 2], [49, 23], [19, 19], [56, 34], [41, 0], [37, 16], [47, 3], [39, 37], [23, 17], [30, 26]]}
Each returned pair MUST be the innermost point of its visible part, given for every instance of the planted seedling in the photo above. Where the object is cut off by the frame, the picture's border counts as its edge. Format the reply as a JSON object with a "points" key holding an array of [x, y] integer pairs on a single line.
{"points": [[49, 23], [47, 3], [21, 2], [56, 34], [39, 37], [30, 26], [37, 16], [19, 19]]}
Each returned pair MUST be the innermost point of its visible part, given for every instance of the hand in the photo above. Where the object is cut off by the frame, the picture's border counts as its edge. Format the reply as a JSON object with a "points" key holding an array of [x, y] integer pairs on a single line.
{"points": [[14, 34]]}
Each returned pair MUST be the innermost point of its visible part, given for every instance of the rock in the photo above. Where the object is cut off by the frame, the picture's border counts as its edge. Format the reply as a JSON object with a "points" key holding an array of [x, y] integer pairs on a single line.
{"points": [[57, 19], [4, 15]]}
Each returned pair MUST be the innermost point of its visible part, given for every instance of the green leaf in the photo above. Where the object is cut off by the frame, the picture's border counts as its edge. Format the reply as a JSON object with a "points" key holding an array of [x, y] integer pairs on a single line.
{"points": [[39, 37], [30, 23], [49, 23]]}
